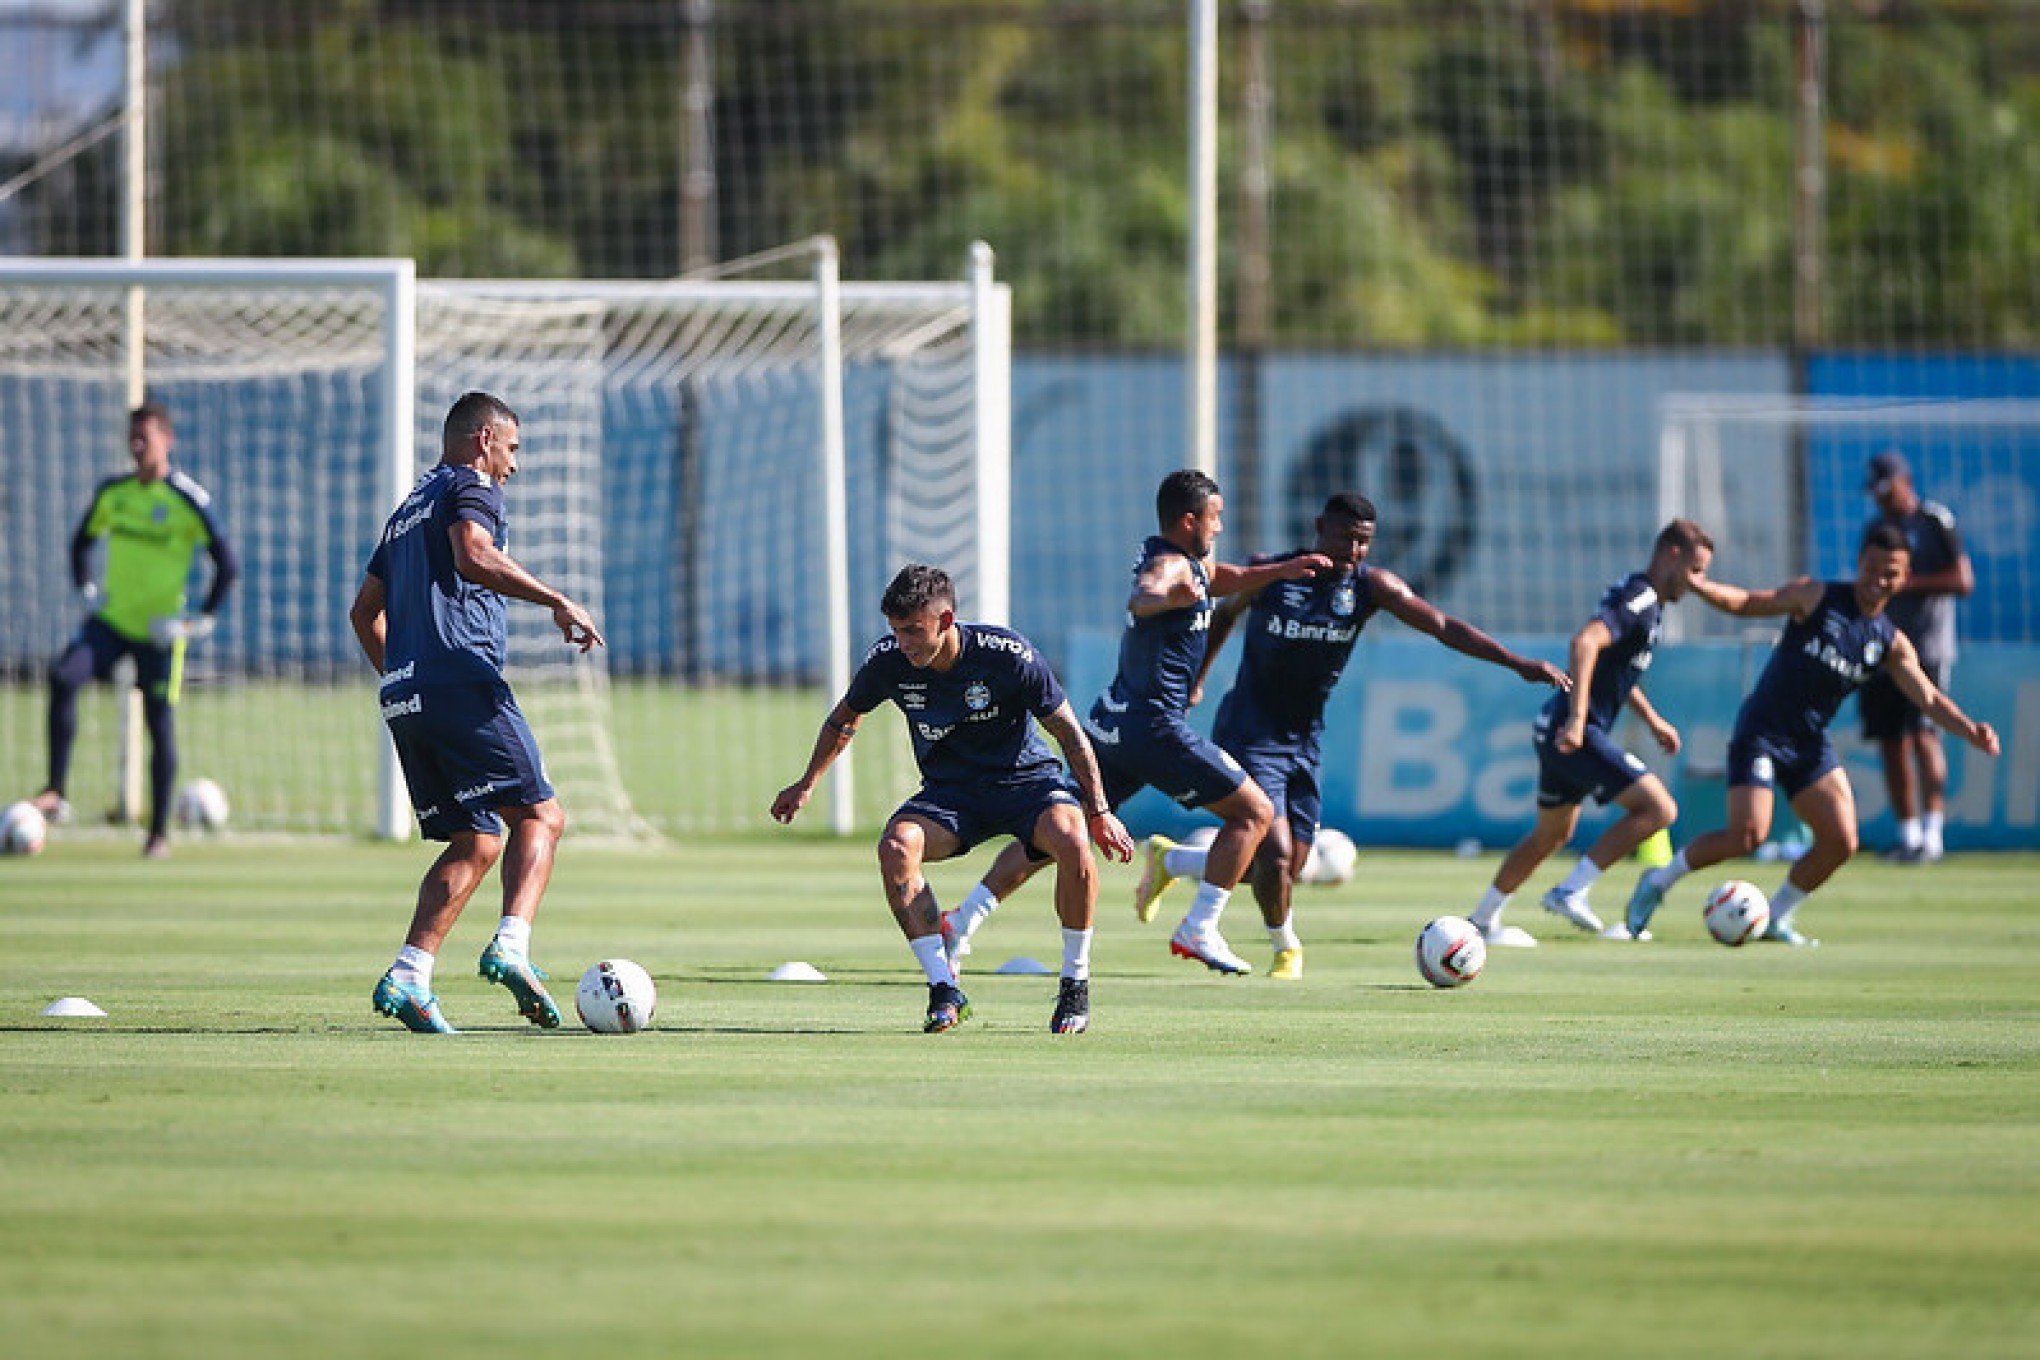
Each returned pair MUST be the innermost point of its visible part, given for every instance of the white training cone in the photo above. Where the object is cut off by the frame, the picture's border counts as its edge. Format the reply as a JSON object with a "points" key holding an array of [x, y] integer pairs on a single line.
{"points": [[796, 971], [1024, 967], [73, 1008]]}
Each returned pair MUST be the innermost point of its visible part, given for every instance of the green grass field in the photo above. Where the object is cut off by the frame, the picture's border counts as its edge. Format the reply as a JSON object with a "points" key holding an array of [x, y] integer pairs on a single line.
{"points": [[1667, 1150]]}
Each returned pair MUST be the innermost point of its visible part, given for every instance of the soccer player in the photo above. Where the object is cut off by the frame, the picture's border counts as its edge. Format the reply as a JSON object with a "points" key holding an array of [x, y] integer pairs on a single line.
{"points": [[429, 616], [1837, 635], [1137, 725], [1299, 636], [154, 522], [1577, 758], [1915, 766], [966, 690]]}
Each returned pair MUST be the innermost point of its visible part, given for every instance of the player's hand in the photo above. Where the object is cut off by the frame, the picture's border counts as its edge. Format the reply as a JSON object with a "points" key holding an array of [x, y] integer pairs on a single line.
{"points": [[91, 594], [790, 801], [1196, 694], [1302, 565], [168, 631], [1984, 738], [1570, 735], [1109, 835], [1667, 738], [575, 625], [1544, 673]]}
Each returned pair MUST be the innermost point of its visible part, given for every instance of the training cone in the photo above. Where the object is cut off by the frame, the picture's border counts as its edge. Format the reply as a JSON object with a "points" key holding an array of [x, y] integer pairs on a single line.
{"points": [[796, 971], [73, 1008], [1025, 967]]}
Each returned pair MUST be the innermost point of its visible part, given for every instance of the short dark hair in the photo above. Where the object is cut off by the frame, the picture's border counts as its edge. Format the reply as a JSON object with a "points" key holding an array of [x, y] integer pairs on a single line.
{"points": [[1350, 504], [473, 413], [1183, 492], [1884, 538], [151, 410], [917, 588], [1683, 534]]}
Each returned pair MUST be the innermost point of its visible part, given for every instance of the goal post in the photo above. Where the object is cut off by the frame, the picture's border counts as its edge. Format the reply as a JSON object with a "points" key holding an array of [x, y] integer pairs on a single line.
{"points": [[676, 478]]}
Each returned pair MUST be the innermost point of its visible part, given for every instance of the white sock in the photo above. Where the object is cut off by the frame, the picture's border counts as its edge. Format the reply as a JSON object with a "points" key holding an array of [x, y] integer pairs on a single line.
{"points": [[1490, 909], [514, 934], [1930, 831], [1284, 936], [1206, 908], [935, 963], [1185, 862], [1581, 878], [413, 966], [1909, 833], [1076, 954], [970, 913], [1784, 903], [1674, 871]]}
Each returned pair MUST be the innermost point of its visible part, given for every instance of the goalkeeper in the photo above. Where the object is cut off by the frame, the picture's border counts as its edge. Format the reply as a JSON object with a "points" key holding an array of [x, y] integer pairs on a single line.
{"points": [[154, 522]]}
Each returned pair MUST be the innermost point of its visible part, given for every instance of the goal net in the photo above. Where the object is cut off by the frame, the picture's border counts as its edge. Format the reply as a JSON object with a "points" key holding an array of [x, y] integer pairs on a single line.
{"points": [[1780, 483], [725, 472]]}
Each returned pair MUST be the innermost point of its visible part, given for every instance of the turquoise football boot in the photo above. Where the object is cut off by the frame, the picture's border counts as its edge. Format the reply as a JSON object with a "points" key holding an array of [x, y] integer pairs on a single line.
{"points": [[416, 1008], [524, 980]]}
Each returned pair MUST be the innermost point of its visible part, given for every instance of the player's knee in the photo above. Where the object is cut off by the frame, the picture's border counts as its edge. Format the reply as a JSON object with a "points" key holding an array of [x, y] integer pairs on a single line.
{"points": [[900, 849], [1843, 839], [1659, 811], [1745, 837]]}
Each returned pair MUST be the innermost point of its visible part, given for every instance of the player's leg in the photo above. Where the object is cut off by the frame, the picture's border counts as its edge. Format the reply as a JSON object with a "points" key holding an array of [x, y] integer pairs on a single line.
{"points": [[528, 855], [922, 832], [159, 715], [1552, 829], [1930, 758], [1884, 709], [1059, 833], [1247, 816], [1753, 765], [1827, 806], [1009, 872], [405, 991], [89, 657], [1604, 771]]}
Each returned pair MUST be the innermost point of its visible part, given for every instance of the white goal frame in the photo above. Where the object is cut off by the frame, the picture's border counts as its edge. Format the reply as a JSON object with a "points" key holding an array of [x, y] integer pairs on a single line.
{"points": [[395, 283]]}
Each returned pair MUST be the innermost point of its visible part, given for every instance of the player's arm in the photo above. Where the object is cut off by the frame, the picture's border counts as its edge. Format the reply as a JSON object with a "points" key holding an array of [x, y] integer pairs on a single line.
{"points": [[1462, 637], [476, 557], [1106, 832], [91, 528], [1666, 735], [1957, 578], [832, 741], [1227, 579], [226, 571], [1798, 599], [1583, 658], [1166, 584], [1903, 662], [369, 619]]}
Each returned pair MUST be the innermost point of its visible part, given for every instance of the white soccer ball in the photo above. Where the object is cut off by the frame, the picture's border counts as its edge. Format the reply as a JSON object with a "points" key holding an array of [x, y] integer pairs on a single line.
{"points": [[23, 829], [1332, 857], [1736, 912], [616, 997], [202, 806], [1450, 952]]}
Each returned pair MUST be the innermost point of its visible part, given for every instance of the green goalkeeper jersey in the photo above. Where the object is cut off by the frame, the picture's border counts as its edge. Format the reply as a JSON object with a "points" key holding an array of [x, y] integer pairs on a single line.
{"points": [[152, 532]]}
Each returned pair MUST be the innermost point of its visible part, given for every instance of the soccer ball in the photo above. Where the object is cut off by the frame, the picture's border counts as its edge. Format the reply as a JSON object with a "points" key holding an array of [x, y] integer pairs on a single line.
{"points": [[201, 805], [1332, 858], [1450, 952], [616, 997], [22, 829], [1736, 912]]}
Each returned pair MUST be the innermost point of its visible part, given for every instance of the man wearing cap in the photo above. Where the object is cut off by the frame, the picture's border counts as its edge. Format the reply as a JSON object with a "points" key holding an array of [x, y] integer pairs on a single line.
{"points": [[1915, 767]]}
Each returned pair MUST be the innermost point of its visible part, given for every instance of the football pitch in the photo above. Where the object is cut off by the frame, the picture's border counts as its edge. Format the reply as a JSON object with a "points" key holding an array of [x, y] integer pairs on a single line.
{"points": [[1671, 1150]]}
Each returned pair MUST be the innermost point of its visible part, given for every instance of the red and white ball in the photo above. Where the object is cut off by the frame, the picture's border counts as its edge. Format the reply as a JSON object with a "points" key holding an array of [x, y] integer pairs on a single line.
{"points": [[1736, 912], [1450, 952]]}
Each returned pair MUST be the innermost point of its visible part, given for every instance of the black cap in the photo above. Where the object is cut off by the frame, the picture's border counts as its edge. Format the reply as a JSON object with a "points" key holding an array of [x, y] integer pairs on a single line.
{"points": [[1885, 467]]}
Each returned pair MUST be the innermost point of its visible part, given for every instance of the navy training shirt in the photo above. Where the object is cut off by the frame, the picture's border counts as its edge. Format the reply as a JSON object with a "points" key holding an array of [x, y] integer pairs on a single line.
{"points": [[1160, 655], [442, 628], [1816, 664], [1299, 636], [969, 723], [1631, 611]]}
